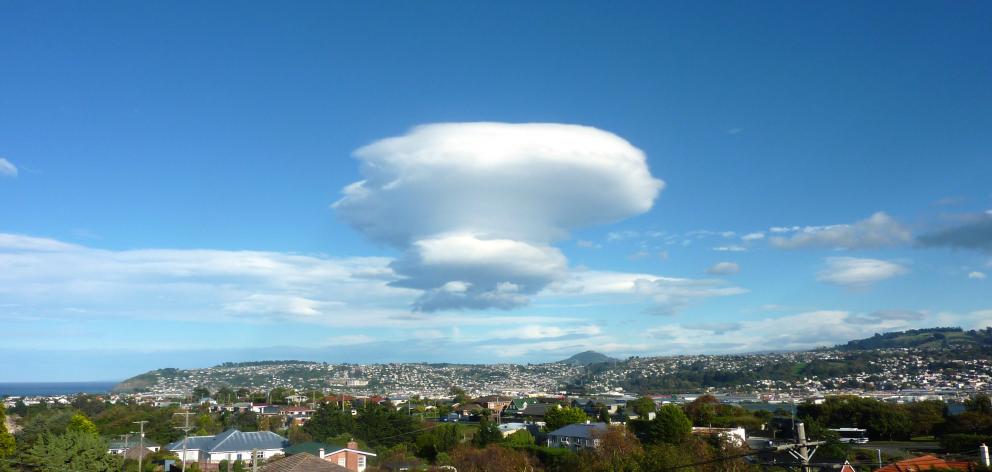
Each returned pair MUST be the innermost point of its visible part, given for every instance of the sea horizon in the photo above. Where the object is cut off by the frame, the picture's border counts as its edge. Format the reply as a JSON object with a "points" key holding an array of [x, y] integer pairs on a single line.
{"points": [[21, 389]]}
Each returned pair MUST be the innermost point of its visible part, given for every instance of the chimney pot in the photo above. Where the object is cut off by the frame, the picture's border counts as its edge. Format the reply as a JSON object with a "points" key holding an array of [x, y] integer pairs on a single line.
{"points": [[320, 452]]}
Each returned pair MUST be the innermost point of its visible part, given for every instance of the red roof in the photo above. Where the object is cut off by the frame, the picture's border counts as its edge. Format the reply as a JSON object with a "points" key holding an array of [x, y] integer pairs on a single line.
{"points": [[926, 463]]}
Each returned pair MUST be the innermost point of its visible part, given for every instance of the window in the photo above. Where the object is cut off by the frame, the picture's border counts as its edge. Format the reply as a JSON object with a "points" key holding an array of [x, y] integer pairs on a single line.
{"points": [[341, 461]]}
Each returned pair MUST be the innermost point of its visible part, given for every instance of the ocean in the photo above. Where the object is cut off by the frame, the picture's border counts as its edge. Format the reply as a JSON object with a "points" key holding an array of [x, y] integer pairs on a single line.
{"points": [[20, 389]]}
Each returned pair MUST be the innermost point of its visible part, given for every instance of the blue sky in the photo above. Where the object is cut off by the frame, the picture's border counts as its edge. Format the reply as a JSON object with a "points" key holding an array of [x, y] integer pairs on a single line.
{"points": [[170, 173]]}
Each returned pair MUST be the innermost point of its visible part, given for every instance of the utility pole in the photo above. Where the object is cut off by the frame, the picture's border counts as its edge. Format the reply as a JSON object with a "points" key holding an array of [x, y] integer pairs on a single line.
{"points": [[800, 449], [124, 438], [185, 428], [141, 442]]}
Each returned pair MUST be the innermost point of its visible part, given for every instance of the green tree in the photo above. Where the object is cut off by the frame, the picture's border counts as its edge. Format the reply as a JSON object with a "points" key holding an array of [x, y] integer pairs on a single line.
{"points": [[37, 424], [277, 396], [458, 394], [604, 415], [556, 418], [200, 393], [438, 440], [979, 404], [7, 444], [328, 422], [297, 435], [223, 466], [926, 416], [521, 439], [702, 410], [617, 450], [382, 426], [239, 466], [225, 395], [80, 423], [487, 434], [670, 425], [72, 451], [642, 406]]}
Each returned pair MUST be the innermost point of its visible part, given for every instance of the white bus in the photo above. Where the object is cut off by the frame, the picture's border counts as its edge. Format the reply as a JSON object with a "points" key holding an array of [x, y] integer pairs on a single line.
{"points": [[852, 435]]}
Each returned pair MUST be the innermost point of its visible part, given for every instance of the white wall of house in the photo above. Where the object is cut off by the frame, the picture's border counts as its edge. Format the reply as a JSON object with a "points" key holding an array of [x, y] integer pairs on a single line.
{"points": [[245, 456]]}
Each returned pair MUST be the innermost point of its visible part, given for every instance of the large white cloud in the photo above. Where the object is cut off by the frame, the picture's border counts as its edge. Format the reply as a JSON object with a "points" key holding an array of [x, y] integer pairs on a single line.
{"points": [[480, 204]]}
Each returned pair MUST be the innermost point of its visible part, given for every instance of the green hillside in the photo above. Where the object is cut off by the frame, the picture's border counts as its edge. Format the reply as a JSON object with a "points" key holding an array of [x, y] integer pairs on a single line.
{"points": [[930, 338]]}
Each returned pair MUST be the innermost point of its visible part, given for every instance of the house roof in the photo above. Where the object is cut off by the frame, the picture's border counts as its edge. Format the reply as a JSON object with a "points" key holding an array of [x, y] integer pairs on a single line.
{"points": [[302, 462], [134, 452], [927, 462], [232, 440], [579, 430], [538, 409], [118, 444]]}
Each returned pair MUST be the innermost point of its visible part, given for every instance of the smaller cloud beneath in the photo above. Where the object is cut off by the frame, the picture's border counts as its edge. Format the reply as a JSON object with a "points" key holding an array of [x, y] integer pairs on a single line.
{"points": [[586, 244], [976, 275], [756, 236], [883, 316], [621, 235], [715, 328], [724, 268], [7, 168], [857, 272], [730, 248], [878, 230], [975, 234], [949, 201]]}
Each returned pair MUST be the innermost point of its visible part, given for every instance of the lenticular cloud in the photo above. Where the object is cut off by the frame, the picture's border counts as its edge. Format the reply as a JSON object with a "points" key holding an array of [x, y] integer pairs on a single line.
{"points": [[476, 206]]}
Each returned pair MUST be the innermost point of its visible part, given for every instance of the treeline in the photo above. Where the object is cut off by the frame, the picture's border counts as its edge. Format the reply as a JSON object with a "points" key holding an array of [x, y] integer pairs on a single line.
{"points": [[963, 432], [925, 338]]}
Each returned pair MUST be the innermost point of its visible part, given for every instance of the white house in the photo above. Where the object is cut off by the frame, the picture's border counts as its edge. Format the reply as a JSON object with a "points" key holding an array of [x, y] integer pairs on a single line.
{"points": [[577, 436], [230, 445]]}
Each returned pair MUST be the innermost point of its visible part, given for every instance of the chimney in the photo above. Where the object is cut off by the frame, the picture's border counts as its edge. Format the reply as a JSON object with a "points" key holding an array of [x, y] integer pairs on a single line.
{"points": [[320, 453], [983, 454], [352, 445]]}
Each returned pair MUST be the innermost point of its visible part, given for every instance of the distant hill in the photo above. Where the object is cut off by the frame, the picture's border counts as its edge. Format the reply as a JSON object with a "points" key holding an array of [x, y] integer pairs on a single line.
{"points": [[930, 338], [589, 357]]}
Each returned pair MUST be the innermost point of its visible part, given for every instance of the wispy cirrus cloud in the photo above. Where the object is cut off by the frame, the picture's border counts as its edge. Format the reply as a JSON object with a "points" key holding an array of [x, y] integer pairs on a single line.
{"points": [[7, 168], [858, 272], [664, 295], [496, 196]]}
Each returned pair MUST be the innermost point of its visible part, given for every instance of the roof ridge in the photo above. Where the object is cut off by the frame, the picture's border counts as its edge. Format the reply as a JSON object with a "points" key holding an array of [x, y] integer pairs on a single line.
{"points": [[231, 432]]}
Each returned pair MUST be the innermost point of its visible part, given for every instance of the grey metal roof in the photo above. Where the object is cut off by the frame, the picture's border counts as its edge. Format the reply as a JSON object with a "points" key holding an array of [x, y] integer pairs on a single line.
{"points": [[232, 440], [579, 430]]}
